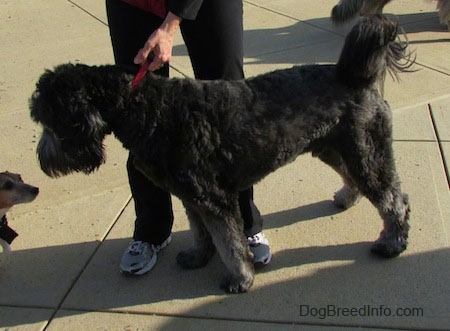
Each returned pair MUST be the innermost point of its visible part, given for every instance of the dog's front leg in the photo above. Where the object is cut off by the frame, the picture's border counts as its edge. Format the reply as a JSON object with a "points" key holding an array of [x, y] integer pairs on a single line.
{"points": [[228, 237], [224, 233], [199, 255]]}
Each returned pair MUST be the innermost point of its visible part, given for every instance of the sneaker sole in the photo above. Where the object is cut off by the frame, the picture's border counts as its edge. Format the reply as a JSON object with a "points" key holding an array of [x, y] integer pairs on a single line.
{"points": [[263, 263], [139, 272]]}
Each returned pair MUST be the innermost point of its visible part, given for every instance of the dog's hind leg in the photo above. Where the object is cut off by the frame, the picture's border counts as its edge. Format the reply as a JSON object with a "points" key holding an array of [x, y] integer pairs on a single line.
{"points": [[349, 194], [373, 169], [199, 255], [394, 209]]}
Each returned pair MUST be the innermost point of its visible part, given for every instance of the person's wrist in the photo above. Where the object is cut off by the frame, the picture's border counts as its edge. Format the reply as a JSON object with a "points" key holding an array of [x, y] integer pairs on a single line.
{"points": [[171, 23]]}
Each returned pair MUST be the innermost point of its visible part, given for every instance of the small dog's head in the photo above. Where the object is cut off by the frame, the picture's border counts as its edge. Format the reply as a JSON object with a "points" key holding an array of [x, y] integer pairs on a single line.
{"points": [[14, 191], [73, 128]]}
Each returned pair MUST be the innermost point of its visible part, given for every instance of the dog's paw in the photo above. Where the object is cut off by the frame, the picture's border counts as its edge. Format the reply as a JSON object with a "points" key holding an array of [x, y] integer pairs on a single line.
{"points": [[389, 245], [346, 197], [237, 284], [193, 258]]}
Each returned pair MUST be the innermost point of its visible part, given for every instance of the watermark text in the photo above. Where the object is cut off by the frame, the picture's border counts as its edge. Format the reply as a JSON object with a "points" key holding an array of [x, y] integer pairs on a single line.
{"points": [[361, 311]]}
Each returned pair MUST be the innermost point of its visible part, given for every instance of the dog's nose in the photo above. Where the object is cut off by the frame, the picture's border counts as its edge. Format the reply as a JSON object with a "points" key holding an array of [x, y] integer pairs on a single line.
{"points": [[35, 190]]}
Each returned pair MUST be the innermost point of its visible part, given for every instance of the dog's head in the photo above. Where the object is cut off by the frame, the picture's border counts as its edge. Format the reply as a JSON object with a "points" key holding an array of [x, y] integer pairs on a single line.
{"points": [[65, 103], [14, 191]]}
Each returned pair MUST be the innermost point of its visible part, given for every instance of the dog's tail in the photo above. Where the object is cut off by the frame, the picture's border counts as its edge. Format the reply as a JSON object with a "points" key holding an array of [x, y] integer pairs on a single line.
{"points": [[371, 48], [345, 10]]}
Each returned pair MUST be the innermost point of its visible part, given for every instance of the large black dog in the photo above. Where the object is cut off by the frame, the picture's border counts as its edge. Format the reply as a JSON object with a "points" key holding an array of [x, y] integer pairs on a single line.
{"points": [[206, 140]]}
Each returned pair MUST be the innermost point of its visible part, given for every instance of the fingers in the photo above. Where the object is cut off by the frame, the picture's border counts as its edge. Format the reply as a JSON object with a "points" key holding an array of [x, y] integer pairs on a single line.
{"points": [[157, 49], [156, 62], [154, 56], [144, 52], [141, 56]]}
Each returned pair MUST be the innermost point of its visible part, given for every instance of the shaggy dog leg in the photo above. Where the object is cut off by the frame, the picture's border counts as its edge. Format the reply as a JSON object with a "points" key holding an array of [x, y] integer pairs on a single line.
{"points": [[377, 179], [349, 194], [394, 209], [223, 231], [349, 9], [373, 6], [347, 197], [346, 10], [365, 161], [444, 12], [234, 252], [199, 255]]}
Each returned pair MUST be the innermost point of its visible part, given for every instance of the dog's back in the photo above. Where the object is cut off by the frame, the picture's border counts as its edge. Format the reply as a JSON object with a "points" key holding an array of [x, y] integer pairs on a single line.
{"points": [[311, 100]]}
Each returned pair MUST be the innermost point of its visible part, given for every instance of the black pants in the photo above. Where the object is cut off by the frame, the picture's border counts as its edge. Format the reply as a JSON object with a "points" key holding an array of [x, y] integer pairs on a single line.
{"points": [[215, 45]]}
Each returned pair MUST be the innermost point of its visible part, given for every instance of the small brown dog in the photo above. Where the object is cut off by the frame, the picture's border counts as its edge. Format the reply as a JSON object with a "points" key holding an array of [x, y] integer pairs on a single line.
{"points": [[12, 192], [345, 10]]}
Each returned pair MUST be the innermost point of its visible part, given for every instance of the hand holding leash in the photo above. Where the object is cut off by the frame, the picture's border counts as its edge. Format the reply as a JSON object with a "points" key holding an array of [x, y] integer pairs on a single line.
{"points": [[160, 43]]}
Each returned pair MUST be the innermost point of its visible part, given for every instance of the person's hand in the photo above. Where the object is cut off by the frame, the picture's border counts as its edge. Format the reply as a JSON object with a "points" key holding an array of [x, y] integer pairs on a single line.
{"points": [[160, 43]]}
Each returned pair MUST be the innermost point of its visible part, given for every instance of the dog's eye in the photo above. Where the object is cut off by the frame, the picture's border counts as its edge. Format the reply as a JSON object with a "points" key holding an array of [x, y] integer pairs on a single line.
{"points": [[8, 185]]}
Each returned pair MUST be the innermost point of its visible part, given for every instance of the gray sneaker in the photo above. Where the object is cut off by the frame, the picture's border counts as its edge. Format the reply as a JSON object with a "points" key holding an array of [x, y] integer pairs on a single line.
{"points": [[259, 245], [140, 257]]}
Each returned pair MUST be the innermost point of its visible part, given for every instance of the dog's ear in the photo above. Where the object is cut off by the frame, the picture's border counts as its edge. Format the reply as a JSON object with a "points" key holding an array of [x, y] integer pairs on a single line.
{"points": [[61, 157]]}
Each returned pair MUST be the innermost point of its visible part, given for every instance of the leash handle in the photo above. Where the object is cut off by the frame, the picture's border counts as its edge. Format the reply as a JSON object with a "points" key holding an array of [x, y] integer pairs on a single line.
{"points": [[140, 75]]}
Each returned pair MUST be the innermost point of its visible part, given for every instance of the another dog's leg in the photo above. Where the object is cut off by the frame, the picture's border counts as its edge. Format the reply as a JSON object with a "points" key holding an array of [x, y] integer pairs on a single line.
{"points": [[373, 6], [199, 255], [346, 10], [349, 194], [444, 12]]}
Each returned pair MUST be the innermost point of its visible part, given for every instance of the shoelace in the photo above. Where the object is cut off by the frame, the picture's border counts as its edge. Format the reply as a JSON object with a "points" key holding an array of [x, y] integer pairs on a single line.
{"points": [[137, 247]]}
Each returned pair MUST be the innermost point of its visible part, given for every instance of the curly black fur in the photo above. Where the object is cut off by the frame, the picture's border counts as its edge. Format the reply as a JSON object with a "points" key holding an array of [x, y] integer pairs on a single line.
{"points": [[206, 140]]}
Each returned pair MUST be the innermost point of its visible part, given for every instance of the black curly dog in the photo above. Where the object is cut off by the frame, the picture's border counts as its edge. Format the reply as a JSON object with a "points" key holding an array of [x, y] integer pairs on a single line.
{"points": [[206, 140]]}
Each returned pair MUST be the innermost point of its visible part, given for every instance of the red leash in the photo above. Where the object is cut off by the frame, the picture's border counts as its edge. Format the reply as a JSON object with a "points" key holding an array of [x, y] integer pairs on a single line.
{"points": [[140, 75]]}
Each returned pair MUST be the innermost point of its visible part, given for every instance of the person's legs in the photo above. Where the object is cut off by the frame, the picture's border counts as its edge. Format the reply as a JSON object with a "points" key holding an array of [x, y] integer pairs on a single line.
{"points": [[215, 40], [153, 207], [129, 29], [215, 45]]}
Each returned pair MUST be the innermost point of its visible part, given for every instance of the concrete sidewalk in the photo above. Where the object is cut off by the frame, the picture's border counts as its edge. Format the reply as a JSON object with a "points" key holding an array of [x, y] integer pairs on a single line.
{"points": [[63, 272]]}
